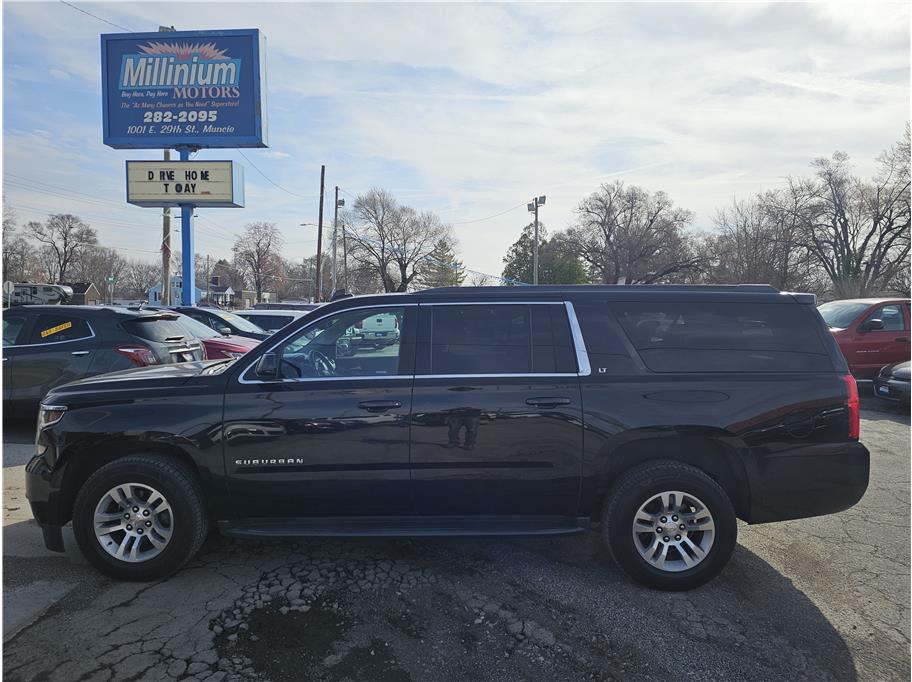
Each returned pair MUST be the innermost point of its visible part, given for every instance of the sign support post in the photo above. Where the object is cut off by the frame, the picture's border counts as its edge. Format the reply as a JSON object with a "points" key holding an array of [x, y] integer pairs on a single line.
{"points": [[188, 246]]}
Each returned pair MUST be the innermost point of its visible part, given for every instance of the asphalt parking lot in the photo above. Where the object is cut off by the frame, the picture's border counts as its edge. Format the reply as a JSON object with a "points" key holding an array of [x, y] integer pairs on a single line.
{"points": [[816, 599]]}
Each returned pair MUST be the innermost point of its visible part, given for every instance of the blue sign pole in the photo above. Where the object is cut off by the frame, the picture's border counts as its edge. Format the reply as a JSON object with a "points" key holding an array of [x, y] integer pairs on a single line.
{"points": [[188, 247]]}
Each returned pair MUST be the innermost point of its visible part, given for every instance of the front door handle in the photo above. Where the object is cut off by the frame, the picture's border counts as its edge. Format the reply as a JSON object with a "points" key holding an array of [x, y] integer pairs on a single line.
{"points": [[80, 352], [547, 402], [379, 405]]}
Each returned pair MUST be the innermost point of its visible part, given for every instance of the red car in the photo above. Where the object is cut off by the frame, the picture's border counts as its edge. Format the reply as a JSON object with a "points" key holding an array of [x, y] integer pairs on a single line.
{"points": [[217, 346], [871, 332]]}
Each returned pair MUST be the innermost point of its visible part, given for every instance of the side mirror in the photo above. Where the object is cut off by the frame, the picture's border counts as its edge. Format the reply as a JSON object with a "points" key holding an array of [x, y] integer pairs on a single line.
{"points": [[224, 331], [267, 366], [873, 325]]}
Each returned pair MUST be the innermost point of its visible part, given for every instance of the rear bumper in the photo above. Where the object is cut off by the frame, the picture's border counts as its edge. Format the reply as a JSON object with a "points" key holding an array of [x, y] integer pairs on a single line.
{"points": [[809, 481]]}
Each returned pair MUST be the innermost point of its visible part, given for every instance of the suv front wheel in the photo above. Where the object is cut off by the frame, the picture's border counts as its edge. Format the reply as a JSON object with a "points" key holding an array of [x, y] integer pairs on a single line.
{"points": [[669, 525], [140, 517]]}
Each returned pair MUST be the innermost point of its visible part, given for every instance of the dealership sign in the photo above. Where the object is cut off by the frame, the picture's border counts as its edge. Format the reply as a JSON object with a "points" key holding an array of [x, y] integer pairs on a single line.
{"points": [[216, 184], [195, 88]]}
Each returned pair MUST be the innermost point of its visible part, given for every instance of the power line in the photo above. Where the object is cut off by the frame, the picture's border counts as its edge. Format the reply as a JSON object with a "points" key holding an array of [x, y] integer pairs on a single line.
{"points": [[273, 182], [95, 16]]}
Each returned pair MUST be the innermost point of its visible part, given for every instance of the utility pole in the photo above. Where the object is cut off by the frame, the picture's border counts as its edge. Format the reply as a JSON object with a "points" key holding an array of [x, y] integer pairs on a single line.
{"points": [[319, 284], [166, 249], [533, 208], [208, 282]]}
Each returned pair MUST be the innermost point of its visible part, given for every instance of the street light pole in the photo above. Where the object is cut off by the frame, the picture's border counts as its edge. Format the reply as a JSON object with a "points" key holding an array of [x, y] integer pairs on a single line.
{"points": [[533, 208], [319, 282], [335, 231]]}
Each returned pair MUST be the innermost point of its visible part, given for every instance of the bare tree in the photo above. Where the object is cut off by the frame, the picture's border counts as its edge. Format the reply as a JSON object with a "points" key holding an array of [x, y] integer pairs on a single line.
{"points": [[138, 277], [857, 231], [96, 265], [480, 279], [257, 255], [757, 243], [19, 257], [630, 233], [65, 238], [395, 240]]}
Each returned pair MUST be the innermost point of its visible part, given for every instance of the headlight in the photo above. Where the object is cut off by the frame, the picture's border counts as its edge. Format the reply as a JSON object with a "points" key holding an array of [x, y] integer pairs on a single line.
{"points": [[50, 414]]}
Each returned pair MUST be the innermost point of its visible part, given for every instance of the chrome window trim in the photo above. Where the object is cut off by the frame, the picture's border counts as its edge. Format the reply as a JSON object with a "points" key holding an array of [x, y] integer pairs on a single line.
{"points": [[518, 375], [579, 343], [242, 380], [57, 343]]}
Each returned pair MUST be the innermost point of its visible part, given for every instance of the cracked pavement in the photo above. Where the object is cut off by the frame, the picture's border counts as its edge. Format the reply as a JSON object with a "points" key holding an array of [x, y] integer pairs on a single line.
{"points": [[816, 599]]}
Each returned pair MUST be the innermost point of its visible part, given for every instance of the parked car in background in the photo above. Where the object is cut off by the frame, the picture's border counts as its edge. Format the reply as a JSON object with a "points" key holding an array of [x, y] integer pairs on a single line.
{"points": [[871, 332], [46, 346], [287, 305], [892, 383], [270, 320], [223, 322], [662, 413], [216, 345], [379, 331]]}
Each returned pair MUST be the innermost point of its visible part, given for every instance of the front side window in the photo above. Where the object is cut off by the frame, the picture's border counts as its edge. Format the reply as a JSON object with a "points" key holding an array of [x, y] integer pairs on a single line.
{"points": [[57, 328], [353, 343], [892, 317]]}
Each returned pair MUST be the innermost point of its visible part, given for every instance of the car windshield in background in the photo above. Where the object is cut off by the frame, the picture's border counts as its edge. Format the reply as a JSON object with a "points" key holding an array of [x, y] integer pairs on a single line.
{"points": [[840, 314], [197, 328], [158, 329], [239, 322]]}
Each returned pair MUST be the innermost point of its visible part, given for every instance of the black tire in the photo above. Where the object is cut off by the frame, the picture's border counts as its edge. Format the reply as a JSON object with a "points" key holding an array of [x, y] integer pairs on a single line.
{"points": [[634, 489], [173, 479]]}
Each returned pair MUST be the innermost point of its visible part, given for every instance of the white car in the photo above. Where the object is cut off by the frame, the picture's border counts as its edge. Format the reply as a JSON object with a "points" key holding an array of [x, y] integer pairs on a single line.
{"points": [[379, 331]]}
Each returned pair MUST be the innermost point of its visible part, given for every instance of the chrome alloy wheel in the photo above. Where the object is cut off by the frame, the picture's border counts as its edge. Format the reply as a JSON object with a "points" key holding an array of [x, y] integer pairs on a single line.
{"points": [[133, 522], [673, 531]]}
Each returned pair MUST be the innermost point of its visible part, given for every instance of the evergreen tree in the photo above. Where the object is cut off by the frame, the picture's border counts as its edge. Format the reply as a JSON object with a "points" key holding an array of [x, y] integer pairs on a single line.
{"points": [[442, 268], [556, 263]]}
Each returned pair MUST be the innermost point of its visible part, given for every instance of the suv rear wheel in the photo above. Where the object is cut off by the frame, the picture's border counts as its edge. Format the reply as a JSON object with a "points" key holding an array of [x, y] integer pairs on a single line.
{"points": [[669, 525], [140, 517]]}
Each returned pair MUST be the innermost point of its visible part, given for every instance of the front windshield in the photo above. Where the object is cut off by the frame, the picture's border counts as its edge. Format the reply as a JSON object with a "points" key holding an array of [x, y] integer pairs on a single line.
{"points": [[840, 314], [239, 322], [197, 329]]}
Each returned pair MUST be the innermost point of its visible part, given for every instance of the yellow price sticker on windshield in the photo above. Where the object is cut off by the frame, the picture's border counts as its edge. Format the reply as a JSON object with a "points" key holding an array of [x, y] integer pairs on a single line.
{"points": [[58, 328]]}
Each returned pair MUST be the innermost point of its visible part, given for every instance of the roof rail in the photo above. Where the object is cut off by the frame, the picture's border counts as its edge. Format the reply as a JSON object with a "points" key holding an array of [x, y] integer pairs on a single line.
{"points": [[741, 288]]}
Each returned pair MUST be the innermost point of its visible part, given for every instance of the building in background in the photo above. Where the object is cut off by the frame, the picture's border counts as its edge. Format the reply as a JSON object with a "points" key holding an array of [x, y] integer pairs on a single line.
{"points": [[84, 293], [176, 290]]}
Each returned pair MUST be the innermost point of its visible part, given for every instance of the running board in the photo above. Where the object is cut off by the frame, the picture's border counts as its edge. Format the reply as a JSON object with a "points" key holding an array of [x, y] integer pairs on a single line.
{"points": [[403, 526]]}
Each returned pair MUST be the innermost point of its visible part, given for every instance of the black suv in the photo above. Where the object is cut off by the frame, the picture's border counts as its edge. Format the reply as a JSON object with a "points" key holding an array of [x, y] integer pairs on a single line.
{"points": [[660, 413], [45, 346]]}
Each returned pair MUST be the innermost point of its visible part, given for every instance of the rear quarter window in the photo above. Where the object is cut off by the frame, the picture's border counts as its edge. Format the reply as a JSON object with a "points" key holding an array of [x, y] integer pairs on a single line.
{"points": [[724, 337]]}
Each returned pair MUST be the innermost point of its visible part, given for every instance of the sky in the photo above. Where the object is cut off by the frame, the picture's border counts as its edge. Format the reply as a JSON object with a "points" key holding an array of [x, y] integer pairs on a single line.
{"points": [[470, 110]]}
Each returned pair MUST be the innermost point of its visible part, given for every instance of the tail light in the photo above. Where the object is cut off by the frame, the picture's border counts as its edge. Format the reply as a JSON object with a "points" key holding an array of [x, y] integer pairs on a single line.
{"points": [[141, 356], [853, 407]]}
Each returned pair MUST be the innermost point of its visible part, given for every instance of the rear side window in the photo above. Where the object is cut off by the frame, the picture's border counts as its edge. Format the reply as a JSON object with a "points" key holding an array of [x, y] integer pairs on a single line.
{"points": [[724, 337], [13, 322], [56, 328], [500, 339], [157, 329]]}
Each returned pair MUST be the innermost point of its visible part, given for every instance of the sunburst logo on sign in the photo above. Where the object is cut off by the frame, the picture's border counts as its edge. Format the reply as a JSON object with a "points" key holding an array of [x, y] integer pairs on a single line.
{"points": [[178, 64]]}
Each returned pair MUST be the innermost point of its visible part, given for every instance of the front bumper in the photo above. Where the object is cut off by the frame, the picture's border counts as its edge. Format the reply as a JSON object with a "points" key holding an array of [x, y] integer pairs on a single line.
{"points": [[44, 499], [808, 481], [892, 389]]}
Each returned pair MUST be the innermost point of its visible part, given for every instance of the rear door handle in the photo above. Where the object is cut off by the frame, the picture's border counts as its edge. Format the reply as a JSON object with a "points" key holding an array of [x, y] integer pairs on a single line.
{"points": [[547, 402], [379, 405], [80, 352]]}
